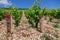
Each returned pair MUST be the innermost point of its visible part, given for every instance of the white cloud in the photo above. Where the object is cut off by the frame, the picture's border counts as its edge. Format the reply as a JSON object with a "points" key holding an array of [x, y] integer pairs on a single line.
{"points": [[5, 2]]}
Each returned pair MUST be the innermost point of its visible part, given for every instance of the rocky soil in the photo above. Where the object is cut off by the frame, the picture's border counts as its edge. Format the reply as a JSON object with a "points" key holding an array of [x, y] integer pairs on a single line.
{"points": [[22, 32]]}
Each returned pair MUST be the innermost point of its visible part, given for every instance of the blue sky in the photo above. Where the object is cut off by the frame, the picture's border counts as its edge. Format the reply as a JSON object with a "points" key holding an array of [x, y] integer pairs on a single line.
{"points": [[28, 3]]}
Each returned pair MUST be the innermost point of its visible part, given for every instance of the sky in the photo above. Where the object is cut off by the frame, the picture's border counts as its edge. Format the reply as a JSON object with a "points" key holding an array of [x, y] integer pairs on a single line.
{"points": [[49, 4]]}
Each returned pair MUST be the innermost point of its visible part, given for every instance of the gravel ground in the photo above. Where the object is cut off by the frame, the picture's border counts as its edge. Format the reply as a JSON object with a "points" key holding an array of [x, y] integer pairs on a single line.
{"points": [[22, 32]]}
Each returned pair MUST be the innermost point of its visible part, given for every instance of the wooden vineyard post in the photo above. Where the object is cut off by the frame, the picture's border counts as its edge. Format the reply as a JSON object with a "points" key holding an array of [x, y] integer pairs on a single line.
{"points": [[8, 20], [40, 28]]}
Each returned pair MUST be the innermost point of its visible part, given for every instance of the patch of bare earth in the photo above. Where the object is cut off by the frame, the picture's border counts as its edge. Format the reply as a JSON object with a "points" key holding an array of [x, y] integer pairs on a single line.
{"points": [[23, 31]]}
